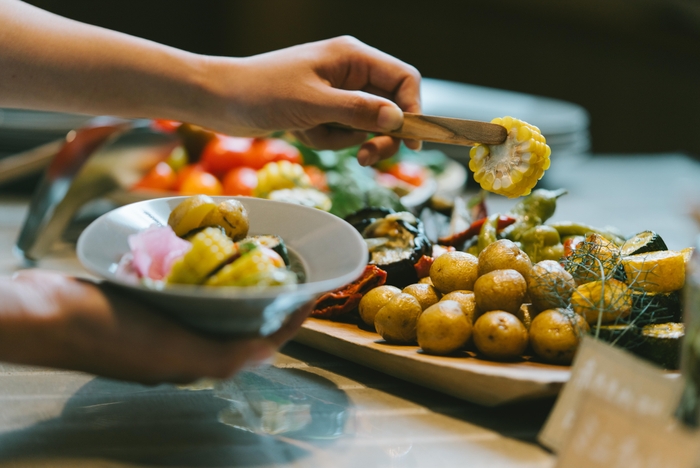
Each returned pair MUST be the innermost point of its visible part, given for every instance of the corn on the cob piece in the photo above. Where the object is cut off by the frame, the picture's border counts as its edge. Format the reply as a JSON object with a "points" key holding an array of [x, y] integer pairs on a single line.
{"points": [[280, 175], [258, 267], [210, 249], [303, 196], [513, 167]]}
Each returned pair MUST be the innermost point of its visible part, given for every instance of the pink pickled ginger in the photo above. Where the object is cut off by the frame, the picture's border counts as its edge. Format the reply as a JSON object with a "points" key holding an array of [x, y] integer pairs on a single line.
{"points": [[155, 250]]}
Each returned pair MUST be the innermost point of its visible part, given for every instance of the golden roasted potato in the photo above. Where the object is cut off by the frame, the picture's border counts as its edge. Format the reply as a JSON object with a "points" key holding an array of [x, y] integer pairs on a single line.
{"points": [[555, 335], [426, 294], [466, 300], [504, 255], [189, 214], [500, 335], [443, 328], [426, 280], [500, 290], [452, 271], [396, 322], [550, 285], [374, 300]]}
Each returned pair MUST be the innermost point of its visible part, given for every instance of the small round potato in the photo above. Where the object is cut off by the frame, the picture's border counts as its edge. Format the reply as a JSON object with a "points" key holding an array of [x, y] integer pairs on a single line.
{"points": [[396, 321], [426, 294], [549, 285], [232, 216], [426, 280], [555, 335], [466, 300], [374, 300], [443, 328], [454, 270], [500, 290], [504, 255], [500, 335]]}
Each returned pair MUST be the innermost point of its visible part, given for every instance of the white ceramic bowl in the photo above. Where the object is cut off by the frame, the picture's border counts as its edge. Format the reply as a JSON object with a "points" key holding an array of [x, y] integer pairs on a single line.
{"points": [[332, 252]]}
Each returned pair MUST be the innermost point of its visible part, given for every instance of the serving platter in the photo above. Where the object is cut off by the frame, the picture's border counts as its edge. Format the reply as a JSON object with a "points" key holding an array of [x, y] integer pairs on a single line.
{"points": [[463, 376]]}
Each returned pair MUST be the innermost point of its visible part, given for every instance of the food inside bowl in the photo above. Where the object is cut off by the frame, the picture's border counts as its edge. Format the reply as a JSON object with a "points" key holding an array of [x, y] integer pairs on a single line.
{"points": [[207, 244]]}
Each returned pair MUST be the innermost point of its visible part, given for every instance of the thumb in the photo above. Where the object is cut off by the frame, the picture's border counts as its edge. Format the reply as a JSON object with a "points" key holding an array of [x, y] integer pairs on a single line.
{"points": [[361, 110]]}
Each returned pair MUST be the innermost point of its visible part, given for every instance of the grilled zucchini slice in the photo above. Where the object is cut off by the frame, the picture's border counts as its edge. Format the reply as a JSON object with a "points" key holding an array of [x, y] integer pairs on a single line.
{"points": [[647, 241], [271, 242], [654, 308], [661, 343], [621, 335]]}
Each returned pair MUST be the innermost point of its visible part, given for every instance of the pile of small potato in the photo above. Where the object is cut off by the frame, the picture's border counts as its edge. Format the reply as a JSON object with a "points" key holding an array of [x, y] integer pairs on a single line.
{"points": [[499, 303]]}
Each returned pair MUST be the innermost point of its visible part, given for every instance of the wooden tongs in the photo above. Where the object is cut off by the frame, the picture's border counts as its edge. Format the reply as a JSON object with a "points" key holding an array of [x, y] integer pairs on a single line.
{"points": [[446, 130]]}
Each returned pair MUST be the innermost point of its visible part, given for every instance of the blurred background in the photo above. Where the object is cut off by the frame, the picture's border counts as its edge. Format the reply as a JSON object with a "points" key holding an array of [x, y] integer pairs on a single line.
{"points": [[632, 65]]}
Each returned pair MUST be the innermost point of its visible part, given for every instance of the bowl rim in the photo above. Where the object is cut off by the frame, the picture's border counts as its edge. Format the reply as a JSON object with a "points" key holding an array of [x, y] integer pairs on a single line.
{"points": [[223, 292]]}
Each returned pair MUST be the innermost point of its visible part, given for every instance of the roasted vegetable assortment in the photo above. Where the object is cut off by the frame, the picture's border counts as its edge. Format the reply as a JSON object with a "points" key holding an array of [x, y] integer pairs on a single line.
{"points": [[205, 244], [514, 286], [283, 169]]}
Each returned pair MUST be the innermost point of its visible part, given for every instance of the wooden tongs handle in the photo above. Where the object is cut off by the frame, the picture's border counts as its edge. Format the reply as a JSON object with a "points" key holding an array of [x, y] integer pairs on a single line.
{"points": [[446, 130]]}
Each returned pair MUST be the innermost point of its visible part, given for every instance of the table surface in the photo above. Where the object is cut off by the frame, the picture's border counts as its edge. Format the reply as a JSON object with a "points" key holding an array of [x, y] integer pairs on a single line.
{"points": [[311, 408]]}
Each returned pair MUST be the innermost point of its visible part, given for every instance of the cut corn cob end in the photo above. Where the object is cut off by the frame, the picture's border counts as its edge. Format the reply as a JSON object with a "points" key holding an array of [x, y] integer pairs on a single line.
{"points": [[512, 168], [210, 249]]}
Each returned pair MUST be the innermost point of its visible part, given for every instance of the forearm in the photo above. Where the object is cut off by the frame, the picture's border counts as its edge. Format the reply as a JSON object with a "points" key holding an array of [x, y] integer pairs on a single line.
{"points": [[53, 63]]}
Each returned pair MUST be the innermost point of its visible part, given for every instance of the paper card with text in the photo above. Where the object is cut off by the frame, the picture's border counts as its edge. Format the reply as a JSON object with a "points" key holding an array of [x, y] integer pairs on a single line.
{"points": [[605, 436], [616, 376]]}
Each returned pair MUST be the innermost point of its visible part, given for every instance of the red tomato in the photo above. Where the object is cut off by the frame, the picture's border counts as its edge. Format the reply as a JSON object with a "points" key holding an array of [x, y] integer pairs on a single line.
{"points": [[410, 172], [318, 178], [201, 183], [265, 150], [240, 181], [224, 153], [572, 244], [184, 173], [161, 177], [166, 126]]}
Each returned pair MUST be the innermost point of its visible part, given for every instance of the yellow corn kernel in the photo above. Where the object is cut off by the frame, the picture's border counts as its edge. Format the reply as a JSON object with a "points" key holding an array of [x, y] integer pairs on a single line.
{"points": [[513, 167], [210, 249], [281, 175]]}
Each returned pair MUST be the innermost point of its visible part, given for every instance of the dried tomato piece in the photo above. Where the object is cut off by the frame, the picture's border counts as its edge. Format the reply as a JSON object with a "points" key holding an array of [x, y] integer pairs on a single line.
{"points": [[423, 265], [345, 299]]}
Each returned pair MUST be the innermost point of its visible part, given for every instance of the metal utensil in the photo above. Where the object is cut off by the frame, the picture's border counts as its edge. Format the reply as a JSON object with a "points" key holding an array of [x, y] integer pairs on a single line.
{"points": [[81, 170]]}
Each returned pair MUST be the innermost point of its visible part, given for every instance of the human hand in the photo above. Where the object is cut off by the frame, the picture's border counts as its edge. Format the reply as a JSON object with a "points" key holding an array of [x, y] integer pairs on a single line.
{"points": [[48, 319], [304, 87]]}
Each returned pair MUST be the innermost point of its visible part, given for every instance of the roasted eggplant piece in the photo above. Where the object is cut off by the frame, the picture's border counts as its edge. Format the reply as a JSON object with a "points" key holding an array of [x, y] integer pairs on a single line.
{"points": [[396, 241], [366, 216]]}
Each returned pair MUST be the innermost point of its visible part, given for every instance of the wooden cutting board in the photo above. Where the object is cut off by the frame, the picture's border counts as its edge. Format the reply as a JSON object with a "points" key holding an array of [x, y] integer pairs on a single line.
{"points": [[467, 377]]}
